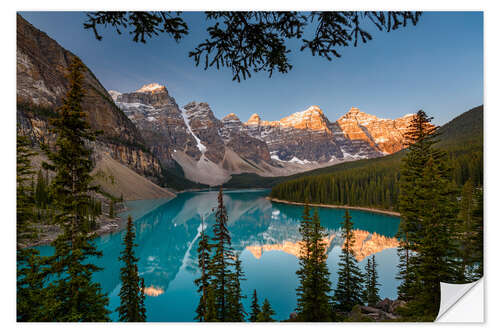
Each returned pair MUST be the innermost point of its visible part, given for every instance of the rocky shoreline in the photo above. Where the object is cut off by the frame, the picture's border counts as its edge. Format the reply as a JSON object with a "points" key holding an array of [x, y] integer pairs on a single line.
{"points": [[47, 233], [372, 210]]}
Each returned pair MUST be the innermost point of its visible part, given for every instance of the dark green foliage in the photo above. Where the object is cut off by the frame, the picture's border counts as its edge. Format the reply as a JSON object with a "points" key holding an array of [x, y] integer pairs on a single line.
{"points": [[30, 292], [255, 307], [375, 182], [477, 235], [222, 261], [267, 313], [31, 295], [255, 41], [131, 294], [221, 273], [24, 191], [145, 24], [71, 294], [203, 282], [236, 311], [173, 177], [470, 231], [350, 279], [369, 187], [37, 110], [371, 282], [313, 299], [428, 230], [211, 313], [42, 198]]}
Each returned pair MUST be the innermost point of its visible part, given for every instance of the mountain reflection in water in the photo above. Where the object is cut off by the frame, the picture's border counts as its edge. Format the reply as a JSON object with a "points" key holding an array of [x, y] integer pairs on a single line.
{"points": [[265, 234]]}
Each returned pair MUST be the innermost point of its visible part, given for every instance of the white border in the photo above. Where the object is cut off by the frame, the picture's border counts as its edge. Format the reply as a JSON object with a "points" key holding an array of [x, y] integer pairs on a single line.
{"points": [[7, 132]]}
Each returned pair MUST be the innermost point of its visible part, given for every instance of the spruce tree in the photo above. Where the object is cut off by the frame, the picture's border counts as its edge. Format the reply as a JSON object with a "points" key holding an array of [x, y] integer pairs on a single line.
{"points": [[368, 272], [266, 313], [314, 277], [211, 312], [236, 311], [350, 279], [477, 235], [255, 307], [221, 263], [73, 296], [436, 246], [131, 294], [371, 282], [470, 233], [466, 235], [428, 228], [203, 282], [30, 290], [418, 138], [304, 260]]}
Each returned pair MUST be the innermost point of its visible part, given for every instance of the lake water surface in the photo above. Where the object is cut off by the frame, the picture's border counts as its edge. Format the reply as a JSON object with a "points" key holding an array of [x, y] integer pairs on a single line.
{"points": [[265, 234]]}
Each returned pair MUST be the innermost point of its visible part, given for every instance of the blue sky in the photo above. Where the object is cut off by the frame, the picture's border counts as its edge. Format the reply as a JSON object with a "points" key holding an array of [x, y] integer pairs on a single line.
{"points": [[436, 66]]}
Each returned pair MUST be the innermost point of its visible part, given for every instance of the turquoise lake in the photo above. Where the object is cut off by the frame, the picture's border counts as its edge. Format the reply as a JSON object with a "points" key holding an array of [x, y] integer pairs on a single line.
{"points": [[265, 235]]}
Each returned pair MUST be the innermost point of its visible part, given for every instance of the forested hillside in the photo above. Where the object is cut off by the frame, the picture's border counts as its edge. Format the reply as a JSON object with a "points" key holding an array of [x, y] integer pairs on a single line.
{"points": [[374, 183]]}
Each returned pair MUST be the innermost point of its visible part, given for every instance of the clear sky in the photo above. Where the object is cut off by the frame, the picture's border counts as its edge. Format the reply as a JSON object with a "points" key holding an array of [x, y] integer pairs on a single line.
{"points": [[436, 66]]}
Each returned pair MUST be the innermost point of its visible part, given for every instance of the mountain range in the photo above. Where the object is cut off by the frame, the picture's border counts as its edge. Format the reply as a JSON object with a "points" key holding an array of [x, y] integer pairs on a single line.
{"points": [[150, 143], [211, 150]]}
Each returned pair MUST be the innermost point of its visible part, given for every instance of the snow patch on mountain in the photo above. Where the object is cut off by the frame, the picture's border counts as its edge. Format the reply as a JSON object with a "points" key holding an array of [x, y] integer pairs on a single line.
{"points": [[348, 156], [200, 145], [276, 157], [299, 161]]}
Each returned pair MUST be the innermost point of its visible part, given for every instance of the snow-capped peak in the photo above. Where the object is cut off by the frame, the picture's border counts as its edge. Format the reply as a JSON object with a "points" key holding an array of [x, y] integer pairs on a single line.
{"points": [[152, 87], [114, 94]]}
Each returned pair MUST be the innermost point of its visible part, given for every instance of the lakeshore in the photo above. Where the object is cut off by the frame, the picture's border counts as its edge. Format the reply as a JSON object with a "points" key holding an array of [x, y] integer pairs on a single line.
{"points": [[366, 209]]}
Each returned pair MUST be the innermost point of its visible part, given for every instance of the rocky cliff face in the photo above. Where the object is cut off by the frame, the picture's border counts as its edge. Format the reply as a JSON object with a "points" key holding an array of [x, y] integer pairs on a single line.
{"points": [[384, 135], [210, 150], [160, 121], [41, 86], [206, 128], [308, 136]]}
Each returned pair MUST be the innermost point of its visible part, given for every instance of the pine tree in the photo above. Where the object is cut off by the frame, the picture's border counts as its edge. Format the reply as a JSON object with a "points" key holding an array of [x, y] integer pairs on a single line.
{"points": [[131, 294], [211, 314], [30, 291], [203, 282], [236, 311], [221, 262], [465, 240], [255, 307], [470, 233], [304, 260], [24, 192], [371, 282], [368, 272], [428, 229], [73, 296], [266, 313], [314, 278], [477, 235], [349, 286], [142, 298], [419, 139], [436, 248]]}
